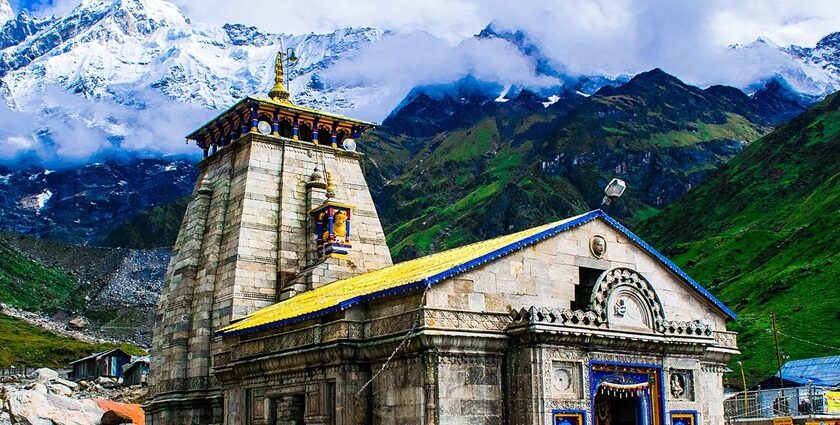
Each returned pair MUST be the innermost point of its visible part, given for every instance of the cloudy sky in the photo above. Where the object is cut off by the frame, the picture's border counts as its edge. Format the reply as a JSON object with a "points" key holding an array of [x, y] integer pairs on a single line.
{"points": [[431, 41], [648, 23], [603, 37]]}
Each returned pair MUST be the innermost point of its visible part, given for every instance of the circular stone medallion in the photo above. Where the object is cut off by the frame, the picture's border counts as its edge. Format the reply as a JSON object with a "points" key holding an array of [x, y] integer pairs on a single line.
{"points": [[598, 246]]}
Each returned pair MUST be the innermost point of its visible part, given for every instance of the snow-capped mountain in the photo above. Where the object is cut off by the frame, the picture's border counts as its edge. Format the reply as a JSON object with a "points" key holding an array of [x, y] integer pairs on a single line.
{"points": [[808, 70], [110, 49], [134, 75], [6, 12]]}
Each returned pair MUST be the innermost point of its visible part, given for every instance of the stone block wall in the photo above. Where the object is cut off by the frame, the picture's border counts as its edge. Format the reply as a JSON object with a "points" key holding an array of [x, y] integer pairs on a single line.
{"points": [[470, 390], [399, 391]]}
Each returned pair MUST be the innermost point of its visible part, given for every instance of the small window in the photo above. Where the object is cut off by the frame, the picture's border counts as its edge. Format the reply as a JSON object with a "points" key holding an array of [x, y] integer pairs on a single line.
{"points": [[305, 132], [583, 290], [284, 128]]}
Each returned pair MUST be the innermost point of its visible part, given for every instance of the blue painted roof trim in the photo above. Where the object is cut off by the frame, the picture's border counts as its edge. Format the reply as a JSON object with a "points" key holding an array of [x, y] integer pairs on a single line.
{"points": [[501, 252]]}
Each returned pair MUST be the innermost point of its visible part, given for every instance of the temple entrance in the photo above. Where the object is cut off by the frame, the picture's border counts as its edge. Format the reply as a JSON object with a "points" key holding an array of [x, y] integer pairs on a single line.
{"points": [[610, 410], [626, 395]]}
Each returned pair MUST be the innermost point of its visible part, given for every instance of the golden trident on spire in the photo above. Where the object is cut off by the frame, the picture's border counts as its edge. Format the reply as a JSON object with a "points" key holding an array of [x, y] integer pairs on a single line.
{"points": [[279, 92]]}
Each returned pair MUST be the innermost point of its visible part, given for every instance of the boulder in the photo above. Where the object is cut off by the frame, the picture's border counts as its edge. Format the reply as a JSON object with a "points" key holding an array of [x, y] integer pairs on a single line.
{"points": [[69, 384], [37, 387], [112, 417], [43, 374], [120, 413], [106, 382], [60, 390], [77, 323], [29, 407]]}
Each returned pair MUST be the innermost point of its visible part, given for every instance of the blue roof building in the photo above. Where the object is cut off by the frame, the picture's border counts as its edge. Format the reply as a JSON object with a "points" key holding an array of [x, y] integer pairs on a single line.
{"points": [[821, 371]]}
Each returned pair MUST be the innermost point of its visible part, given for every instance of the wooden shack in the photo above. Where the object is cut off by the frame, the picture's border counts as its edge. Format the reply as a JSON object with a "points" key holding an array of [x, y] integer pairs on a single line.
{"points": [[108, 364]]}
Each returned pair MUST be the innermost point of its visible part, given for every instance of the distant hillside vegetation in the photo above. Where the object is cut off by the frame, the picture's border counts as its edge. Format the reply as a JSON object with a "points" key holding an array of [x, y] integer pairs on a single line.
{"points": [[763, 233], [507, 166], [154, 228], [22, 344], [31, 285], [28, 284]]}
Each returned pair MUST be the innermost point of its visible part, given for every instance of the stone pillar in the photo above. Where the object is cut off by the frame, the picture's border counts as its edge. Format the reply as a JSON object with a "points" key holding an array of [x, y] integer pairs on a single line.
{"points": [[202, 326], [315, 131], [352, 407], [296, 129]]}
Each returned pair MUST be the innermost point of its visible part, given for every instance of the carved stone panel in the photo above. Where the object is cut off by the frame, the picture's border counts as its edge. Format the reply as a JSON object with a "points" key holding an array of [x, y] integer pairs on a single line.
{"points": [[681, 385], [566, 380]]}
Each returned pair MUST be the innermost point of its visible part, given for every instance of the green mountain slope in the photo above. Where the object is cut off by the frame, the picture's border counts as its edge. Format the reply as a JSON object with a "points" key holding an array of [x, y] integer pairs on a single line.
{"points": [[30, 285], [24, 344], [763, 234], [154, 228], [515, 168]]}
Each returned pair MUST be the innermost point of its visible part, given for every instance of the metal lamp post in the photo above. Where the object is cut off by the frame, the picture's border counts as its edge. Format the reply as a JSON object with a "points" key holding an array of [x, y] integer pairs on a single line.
{"points": [[744, 382]]}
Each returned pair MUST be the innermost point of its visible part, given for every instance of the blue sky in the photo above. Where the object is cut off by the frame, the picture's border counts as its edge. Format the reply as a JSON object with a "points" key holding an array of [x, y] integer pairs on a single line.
{"points": [[30, 5]]}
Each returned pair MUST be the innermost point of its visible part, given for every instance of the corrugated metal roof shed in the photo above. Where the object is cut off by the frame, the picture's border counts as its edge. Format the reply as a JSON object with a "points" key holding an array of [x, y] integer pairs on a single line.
{"points": [[823, 371]]}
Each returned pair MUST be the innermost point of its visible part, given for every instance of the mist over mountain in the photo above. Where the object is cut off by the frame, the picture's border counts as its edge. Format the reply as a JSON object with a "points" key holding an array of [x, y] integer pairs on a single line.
{"points": [[133, 76]]}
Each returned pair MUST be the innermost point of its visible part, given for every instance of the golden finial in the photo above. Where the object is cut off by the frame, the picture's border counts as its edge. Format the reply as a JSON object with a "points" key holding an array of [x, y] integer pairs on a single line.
{"points": [[279, 91], [330, 186]]}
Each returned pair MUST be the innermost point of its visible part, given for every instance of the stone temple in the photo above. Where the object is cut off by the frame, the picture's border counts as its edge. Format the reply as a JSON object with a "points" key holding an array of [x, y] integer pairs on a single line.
{"points": [[282, 306]]}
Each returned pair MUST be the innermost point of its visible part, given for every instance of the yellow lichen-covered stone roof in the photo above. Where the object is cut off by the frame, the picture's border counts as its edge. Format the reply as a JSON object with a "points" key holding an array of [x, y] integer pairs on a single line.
{"points": [[406, 276]]}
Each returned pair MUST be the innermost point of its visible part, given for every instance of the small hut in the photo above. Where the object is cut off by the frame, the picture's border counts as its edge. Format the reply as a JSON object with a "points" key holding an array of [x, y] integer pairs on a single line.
{"points": [[135, 373], [108, 364]]}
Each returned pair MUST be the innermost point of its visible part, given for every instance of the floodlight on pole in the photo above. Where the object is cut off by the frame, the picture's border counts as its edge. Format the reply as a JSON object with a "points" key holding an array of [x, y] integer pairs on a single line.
{"points": [[615, 188]]}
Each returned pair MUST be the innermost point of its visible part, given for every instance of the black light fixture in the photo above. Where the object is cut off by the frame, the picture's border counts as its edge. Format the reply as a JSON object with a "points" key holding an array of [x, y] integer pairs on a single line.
{"points": [[290, 55]]}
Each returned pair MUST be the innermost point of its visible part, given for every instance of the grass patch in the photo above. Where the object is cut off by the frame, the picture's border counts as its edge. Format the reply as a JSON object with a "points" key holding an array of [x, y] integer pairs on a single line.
{"points": [[23, 344]]}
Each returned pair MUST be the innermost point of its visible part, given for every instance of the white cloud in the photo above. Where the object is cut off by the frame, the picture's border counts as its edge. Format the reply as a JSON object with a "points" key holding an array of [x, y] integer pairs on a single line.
{"points": [[59, 128], [401, 62], [719, 21]]}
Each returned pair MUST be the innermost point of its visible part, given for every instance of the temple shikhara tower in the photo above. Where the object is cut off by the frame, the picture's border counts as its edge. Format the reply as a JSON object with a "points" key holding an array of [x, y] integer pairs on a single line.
{"points": [[282, 306]]}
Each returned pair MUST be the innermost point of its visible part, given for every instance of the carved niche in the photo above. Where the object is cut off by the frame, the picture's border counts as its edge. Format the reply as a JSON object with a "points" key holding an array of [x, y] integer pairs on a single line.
{"points": [[622, 297], [681, 385], [566, 380]]}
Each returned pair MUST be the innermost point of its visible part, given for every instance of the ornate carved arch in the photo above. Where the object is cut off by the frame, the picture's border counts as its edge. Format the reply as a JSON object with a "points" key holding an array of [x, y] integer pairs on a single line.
{"points": [[622, 280]]}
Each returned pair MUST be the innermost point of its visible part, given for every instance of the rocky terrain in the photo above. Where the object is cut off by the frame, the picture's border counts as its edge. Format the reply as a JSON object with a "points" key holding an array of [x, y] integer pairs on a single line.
{"points": [[115, 290], [81, 205], [44, 397]]}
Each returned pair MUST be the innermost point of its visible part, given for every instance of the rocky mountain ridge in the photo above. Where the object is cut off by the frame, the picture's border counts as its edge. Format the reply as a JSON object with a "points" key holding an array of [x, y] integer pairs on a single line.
{"points": [[82, 204], [519, 163]]}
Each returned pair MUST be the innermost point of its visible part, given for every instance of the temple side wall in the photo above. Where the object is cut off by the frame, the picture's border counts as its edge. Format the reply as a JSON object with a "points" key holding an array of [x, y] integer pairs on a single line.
{"points": [[470, 390]]}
